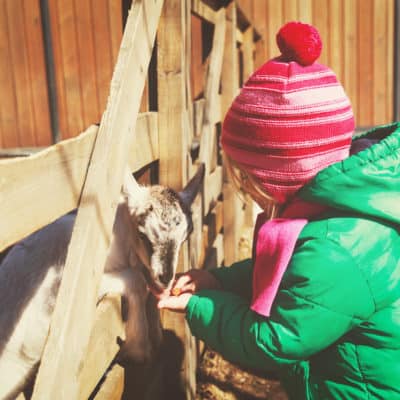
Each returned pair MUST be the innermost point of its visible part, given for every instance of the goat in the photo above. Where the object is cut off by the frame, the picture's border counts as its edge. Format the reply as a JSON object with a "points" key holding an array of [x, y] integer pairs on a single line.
{"points": [[150, 226]]}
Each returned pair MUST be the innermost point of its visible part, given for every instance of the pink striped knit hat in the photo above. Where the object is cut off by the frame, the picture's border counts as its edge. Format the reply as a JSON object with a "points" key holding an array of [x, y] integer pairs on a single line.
{"points": [[292, 117]]}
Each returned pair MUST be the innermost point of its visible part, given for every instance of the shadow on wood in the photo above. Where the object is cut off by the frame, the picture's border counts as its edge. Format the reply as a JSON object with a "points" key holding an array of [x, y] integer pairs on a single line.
{"points": [[161, 379]]}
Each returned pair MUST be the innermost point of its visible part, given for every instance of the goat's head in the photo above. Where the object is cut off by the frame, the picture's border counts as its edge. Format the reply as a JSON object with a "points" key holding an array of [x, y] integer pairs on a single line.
{"points": [[162, 221]]}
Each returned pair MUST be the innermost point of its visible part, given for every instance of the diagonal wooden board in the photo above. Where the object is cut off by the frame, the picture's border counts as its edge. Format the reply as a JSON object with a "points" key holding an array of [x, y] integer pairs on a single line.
{"points": [[64, 354]]}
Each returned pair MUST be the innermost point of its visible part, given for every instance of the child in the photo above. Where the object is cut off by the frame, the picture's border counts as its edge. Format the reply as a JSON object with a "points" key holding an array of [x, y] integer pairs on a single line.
{"points": [[320, 301]]}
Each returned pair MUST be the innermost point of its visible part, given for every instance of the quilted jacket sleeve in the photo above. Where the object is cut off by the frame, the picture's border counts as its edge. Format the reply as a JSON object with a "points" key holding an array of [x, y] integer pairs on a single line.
{"points": [[311, 311], [237, 278]]}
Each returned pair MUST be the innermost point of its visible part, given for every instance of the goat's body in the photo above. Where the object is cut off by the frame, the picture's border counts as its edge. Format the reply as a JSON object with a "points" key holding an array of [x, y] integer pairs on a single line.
{"points": [[150, 226], [33, 271], [30, 276]]}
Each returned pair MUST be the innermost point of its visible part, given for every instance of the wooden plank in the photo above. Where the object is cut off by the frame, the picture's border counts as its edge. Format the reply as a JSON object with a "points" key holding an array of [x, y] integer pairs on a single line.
{"points": [[70, 68], [304, 11], [335, 43], [275, 21], [200, 8], [211, 91], [229, 87], [290, 10], [380, 58], [365, 66], [212, 189], [103, 50], [215, 220], [37, 75], [233, 222], [74, 309], [248, 53], [173, 117], [20, 69], [113, 386], [171, 96], [209, 232], [116, 28], [103, 344], [389, 61], [321, 22], [350, 68], [34, 191], [261, 21], [87, 62], [8, 102], [144, 148], [198, 112], [196, 238], [196, 62], [215, 256], [55, 26], [230, 67]]}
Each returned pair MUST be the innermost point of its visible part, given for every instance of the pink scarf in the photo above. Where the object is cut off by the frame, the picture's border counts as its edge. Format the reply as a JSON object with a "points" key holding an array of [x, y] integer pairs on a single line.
{"points": [[273, 246]]}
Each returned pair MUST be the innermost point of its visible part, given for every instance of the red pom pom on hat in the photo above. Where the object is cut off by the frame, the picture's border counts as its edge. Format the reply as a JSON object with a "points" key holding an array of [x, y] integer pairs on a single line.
{"points": [[299, 42]]}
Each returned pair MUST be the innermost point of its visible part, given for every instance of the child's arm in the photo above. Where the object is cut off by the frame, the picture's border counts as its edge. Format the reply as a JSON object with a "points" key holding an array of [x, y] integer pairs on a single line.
{"points": [[322, 296], [237, 278]]}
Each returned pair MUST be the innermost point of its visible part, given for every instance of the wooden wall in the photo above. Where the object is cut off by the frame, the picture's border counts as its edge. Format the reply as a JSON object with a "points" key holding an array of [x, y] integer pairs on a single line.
{"points": [[72, 61], [54, 82], [358, 44], [85, 36], [24, 103]]}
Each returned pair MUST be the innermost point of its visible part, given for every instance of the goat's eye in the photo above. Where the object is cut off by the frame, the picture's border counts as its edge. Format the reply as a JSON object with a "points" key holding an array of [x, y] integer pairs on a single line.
{"points": [[142, 236]]}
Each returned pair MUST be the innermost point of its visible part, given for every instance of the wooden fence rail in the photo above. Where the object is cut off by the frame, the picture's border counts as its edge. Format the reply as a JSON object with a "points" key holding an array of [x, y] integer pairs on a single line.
{"points": [[86, 172]]}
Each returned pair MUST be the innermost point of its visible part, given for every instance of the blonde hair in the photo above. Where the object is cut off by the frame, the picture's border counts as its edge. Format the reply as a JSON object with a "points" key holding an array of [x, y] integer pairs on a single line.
{"points": [[248, 184]]}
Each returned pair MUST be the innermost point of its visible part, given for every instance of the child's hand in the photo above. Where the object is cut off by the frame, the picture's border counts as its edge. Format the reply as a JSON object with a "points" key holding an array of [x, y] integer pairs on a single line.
{"points": [[193, 281], [175, 303]]}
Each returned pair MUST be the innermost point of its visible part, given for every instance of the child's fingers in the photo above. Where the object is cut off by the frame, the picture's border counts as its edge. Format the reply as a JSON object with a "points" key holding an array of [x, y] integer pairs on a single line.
{"points": [[175, 303], [189, 287], [182, 280]]}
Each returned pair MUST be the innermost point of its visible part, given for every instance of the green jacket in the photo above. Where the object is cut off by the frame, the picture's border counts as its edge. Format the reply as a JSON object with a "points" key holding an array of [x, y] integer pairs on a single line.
{"points": [[334, 329]]}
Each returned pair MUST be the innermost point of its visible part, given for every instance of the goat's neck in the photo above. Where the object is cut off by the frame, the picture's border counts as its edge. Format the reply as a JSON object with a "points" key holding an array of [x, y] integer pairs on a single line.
{"points": [[121, 253]]}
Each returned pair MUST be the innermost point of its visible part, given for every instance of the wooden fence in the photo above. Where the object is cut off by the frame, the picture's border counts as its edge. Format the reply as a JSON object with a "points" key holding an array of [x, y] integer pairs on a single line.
{"points": [[86, 172]]}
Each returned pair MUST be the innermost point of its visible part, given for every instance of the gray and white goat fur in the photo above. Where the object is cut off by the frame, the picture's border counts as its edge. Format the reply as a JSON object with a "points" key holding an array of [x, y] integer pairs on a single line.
{"points": [[150, 225]]}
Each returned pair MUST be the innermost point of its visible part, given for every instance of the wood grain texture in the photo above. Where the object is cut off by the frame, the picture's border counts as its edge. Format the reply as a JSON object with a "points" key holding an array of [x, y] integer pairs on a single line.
{"points": [[24, 107], [103, 345], [73, 316], [36, 190], [113, 386]]}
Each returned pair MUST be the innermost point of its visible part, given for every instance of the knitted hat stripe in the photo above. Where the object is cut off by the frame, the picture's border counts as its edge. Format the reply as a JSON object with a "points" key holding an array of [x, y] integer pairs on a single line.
{"points": [[316, 97], [296, 169], [235, 128], [287, 116], [291, 79], [290, 87], [302, 149], [320, 108], [291, 123], [281, 163]]}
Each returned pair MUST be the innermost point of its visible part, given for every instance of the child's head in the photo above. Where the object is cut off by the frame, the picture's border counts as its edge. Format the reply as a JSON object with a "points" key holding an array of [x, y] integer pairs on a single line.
{"points": [[291, 119]]}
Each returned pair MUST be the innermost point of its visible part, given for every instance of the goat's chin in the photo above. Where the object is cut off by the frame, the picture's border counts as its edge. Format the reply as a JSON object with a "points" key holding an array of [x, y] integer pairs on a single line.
{"points": [[155, 287]]}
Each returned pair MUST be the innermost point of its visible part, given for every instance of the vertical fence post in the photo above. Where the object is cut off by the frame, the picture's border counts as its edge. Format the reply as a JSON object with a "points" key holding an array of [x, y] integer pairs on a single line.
{"points": [[230, 87], [173, 109]]}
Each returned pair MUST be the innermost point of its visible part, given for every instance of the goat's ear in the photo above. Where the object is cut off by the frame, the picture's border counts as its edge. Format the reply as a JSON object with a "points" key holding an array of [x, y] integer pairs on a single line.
{"points": [[189, 193], [131, 190]]}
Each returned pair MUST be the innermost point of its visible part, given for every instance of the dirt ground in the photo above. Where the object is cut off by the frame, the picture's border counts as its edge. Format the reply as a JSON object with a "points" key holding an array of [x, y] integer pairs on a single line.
{"points": [[218, 379]]}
